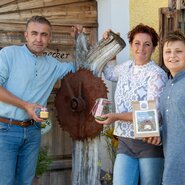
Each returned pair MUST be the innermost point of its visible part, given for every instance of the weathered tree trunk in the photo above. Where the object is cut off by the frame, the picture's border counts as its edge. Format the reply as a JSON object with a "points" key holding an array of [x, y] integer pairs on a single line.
{"points": [[85, 155], [36, 181], [86, 162]]}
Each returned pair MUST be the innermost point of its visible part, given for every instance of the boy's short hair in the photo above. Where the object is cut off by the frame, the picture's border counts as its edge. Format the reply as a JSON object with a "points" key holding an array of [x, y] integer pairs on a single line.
{"points": [[174, 36]]}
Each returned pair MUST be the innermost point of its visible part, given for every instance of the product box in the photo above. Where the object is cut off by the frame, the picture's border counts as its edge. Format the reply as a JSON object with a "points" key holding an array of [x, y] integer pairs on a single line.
{"points": [[145, 119]]}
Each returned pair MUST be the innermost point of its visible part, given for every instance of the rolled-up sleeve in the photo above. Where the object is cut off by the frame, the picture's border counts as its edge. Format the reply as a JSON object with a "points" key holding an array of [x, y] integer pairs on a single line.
{"points": [[64, 68], [4, 69]]}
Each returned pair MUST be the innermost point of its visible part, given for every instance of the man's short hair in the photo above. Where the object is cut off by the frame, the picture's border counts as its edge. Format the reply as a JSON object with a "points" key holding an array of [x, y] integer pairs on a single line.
{"points": [[38, 19]]}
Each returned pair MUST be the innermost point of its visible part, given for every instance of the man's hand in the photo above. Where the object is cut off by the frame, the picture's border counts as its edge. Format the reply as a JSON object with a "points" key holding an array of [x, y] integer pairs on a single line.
{"points": [[31, 110], [77, 29]]}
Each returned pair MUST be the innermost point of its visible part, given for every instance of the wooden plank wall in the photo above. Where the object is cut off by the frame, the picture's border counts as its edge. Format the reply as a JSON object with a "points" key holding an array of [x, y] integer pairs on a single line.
{"points": [[63, 14], [176, 4], [168, 21]]}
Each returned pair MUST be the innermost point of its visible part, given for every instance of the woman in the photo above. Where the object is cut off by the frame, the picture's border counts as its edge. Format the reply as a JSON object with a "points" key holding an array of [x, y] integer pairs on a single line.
{"points": [[173, 110], [137, 79]]}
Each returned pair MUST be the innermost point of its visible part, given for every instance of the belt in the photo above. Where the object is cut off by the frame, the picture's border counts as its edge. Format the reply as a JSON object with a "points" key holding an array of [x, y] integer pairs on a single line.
{"points": [[16, 122]]}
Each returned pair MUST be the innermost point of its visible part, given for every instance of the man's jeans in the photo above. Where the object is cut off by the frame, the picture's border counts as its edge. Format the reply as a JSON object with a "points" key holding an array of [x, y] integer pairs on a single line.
{"points": [[19, 147], [128, 170]]}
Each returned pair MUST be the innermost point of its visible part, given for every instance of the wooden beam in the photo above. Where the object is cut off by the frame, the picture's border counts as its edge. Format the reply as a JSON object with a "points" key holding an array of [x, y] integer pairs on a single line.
{"points": [[5, 2], [7, 6], [83, 13], [65, 28]]}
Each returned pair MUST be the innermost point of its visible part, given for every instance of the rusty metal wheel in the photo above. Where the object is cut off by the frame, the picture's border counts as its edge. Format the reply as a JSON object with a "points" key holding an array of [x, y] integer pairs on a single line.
{"points": [[74, 101]]}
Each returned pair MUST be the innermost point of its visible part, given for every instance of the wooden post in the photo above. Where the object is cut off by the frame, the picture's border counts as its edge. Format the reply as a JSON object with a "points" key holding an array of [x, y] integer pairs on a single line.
{"points": [[85, 155], [85, 162], [178, 4], [170, 3]]}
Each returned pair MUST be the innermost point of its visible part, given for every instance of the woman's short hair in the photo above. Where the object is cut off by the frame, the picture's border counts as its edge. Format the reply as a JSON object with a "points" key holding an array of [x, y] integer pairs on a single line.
{"points": [[141, 28]]}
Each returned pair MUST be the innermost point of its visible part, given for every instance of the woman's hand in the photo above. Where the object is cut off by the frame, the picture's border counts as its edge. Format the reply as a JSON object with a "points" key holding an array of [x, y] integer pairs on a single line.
{"points": [[153, 140], [106, 34], [112, 117], [109, 118]]}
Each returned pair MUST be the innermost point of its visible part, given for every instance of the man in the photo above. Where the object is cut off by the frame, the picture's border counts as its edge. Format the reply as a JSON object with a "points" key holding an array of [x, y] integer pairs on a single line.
{"points": [[26, 81]]}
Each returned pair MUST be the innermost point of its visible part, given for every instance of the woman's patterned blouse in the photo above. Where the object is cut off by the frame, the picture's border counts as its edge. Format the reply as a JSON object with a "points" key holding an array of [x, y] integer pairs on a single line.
{"points": [[134, 83]]}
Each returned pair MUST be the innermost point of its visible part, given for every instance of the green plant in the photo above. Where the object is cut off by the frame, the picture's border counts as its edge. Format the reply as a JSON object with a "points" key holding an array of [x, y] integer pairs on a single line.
{"points": [[43, 161], [112, 145], [111, 142]]}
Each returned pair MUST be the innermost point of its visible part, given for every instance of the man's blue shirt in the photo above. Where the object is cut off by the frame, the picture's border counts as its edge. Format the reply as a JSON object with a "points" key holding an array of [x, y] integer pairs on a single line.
{"points": [[29, 77]]}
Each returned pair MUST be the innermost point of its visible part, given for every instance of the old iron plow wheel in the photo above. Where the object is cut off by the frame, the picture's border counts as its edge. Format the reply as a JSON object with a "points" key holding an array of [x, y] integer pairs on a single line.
{"points": [[74, 101]]}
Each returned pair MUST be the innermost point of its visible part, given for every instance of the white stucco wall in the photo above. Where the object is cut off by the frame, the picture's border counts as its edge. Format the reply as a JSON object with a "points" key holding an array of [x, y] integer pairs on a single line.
{"points": [[113, 14]]}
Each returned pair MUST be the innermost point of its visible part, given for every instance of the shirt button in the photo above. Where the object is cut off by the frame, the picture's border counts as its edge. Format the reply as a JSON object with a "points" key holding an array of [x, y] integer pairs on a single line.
{"points": [[172, 84], [168, 97], [166, 110]]}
